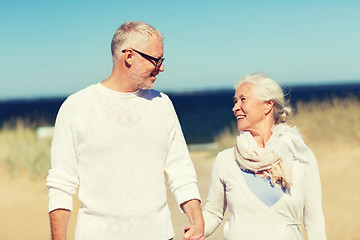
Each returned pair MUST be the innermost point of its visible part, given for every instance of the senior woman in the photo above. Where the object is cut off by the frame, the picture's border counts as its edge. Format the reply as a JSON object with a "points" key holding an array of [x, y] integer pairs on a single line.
{"points": [[270, 180]]}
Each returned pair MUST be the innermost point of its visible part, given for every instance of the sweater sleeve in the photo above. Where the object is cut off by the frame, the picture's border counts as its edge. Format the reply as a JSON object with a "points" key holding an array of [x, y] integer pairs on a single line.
{"points": [[62, 180], [179, 168], [216, 204], [313, 215]]}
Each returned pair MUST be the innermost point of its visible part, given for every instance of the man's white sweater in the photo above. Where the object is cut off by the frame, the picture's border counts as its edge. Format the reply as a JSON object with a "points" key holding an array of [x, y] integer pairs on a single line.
{"points": [[114, 147]]}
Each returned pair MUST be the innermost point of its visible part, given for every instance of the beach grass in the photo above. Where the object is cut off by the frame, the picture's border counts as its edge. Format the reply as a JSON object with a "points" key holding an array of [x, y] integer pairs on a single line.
{"points": [[22, 151], [329, 121]]}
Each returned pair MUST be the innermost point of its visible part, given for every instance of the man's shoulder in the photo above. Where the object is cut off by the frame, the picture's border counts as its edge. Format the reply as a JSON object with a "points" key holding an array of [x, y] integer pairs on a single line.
{"points": [[80, 96], [84, 92]]}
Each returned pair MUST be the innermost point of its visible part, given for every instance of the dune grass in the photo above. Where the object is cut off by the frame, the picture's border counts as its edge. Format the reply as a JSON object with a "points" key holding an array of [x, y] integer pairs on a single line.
{"points": [[329, 121], [335, 121], [320, 122], [22, 152]]}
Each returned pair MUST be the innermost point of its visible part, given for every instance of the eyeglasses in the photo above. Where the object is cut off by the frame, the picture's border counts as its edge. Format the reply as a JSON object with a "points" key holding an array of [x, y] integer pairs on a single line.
{"points": [[157, 61]]}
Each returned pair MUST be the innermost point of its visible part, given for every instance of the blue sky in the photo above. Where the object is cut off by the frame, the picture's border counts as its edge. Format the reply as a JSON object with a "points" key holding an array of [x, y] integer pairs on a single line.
{"points": [[54, 48]]}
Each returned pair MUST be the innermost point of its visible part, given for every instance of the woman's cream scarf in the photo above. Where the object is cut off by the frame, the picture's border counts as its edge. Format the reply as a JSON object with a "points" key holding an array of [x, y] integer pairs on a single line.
{"points": [[275, 160]]}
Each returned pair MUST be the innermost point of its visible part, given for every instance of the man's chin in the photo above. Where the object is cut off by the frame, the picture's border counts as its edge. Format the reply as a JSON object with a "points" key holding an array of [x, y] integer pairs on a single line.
{"points": [[143, 84], [147, 86]]}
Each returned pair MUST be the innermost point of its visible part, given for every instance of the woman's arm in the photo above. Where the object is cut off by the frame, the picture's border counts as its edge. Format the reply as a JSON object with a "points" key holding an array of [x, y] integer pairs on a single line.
{"points": [[216, 204], [313, 214]]}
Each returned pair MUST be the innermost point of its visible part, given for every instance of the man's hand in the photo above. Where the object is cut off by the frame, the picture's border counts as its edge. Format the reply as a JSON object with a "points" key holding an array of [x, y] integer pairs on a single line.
{"points": [[193, 211]]}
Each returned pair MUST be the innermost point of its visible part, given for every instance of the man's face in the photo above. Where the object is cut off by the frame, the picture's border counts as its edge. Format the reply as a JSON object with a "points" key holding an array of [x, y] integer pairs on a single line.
{"points": [[144, 72]]}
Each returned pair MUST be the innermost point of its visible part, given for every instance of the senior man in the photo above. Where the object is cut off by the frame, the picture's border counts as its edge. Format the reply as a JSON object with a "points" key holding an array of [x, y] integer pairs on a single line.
{"points": [[113, 141]]}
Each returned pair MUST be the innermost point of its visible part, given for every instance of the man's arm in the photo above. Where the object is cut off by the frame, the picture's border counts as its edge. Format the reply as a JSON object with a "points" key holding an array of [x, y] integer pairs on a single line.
{"points": [[192, 209], [59, 220]]}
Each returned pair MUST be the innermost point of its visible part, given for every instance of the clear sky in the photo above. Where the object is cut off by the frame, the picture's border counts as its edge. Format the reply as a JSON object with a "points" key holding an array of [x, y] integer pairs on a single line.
{"points": [[54, 48]]}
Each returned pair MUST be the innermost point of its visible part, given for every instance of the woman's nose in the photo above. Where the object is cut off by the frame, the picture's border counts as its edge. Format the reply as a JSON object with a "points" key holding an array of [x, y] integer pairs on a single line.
{"points": [[236, 107]]}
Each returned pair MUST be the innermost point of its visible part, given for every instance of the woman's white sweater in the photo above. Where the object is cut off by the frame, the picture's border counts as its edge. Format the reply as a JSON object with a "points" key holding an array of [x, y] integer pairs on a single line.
{"points": [[250, 218]]}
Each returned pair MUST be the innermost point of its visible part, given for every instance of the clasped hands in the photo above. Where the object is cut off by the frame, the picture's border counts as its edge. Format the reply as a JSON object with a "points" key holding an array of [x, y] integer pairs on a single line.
{"points": [[193, 233]]}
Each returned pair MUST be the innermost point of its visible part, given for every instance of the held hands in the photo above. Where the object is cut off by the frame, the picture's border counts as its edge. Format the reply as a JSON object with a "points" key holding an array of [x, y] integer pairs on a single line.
{"points": [[192, 209], [193, 233]]}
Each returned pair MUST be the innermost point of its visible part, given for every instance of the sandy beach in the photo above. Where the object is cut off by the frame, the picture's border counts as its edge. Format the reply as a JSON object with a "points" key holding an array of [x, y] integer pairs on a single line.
{"points": [[24, 202]]}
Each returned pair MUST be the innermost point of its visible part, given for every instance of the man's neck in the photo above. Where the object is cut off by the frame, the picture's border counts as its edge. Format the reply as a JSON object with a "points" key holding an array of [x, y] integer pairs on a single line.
{"points": [[118, 84]]}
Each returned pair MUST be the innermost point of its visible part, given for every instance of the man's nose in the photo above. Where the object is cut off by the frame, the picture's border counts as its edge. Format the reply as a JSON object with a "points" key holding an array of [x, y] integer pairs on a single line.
{"points": [[161, 68]]}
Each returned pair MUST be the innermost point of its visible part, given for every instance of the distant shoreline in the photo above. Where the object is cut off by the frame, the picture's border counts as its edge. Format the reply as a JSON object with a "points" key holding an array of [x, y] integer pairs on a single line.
{"points": [[203, 114], [346, 85]]}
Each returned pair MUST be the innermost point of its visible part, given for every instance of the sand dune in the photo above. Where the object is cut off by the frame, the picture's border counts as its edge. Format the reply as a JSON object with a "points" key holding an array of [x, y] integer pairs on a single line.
{"points": [[24, 202]]}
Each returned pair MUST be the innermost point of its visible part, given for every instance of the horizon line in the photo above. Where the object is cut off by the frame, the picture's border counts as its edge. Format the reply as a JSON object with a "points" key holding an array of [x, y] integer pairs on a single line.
{"points": [[190, 91]]}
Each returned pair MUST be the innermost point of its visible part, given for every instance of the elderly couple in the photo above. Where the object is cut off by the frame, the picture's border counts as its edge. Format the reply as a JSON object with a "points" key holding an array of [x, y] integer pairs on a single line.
{"points": [[114, 140]]}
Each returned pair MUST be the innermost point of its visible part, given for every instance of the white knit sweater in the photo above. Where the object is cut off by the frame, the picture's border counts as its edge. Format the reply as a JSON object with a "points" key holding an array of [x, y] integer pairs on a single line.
{"points": [[114, 147], [250, 218]]}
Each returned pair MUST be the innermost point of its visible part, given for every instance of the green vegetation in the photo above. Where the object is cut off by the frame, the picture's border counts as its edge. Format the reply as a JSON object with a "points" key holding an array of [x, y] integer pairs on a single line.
{"points": [[338, 120], [23, 152]]}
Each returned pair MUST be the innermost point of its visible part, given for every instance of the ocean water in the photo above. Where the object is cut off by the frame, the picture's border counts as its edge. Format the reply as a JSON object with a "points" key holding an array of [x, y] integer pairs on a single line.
{"points": [[203, 114]]}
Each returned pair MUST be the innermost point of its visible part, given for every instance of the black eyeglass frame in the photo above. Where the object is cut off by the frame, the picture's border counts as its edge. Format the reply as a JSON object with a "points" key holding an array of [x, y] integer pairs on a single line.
{"points": [[158, 61]]}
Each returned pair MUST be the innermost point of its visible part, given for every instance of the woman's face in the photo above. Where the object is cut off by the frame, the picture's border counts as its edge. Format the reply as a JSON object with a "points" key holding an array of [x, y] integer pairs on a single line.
{"points": [[249, 111]]}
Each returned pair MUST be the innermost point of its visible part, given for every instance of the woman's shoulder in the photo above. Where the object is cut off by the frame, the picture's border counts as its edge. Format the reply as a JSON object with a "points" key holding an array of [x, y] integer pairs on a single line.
{"points": [[225, 164], [225, 156], [226, 152]]}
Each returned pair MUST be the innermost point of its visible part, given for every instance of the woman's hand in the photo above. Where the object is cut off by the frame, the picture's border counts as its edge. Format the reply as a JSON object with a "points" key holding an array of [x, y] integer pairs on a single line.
{"points": [[189, 231]]}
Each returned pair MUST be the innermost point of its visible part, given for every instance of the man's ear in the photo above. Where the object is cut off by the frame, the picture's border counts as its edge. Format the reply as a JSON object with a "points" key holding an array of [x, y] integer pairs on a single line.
{"points": [[268, 106], [129, 58]]}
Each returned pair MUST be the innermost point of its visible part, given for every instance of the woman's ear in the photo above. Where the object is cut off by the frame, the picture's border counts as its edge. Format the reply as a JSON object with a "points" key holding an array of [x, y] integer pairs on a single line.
{"points": [[268, 106]]}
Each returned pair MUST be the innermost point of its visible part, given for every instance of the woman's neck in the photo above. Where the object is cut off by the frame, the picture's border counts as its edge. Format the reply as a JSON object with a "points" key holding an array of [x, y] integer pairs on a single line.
{"points": [[262, 136], [262, 139]]}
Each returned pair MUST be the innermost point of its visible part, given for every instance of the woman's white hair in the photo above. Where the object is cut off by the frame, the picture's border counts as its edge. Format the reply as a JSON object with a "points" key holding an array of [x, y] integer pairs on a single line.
{"points": [[131, 33], [266, 89]]}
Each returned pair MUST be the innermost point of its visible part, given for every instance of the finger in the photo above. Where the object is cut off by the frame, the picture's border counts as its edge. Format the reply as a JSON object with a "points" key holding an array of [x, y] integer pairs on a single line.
{"points": [[187, 228], [196, 237], [186, 236]]}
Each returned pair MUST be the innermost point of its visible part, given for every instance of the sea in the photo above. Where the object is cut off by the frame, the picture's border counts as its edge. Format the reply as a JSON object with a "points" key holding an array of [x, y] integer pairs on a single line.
{"points": [[203, 115]]}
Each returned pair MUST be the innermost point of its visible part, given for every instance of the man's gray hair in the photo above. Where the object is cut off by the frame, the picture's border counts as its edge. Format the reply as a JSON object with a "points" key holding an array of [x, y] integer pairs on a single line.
{"points": [[131, 33], [266, 89]]}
